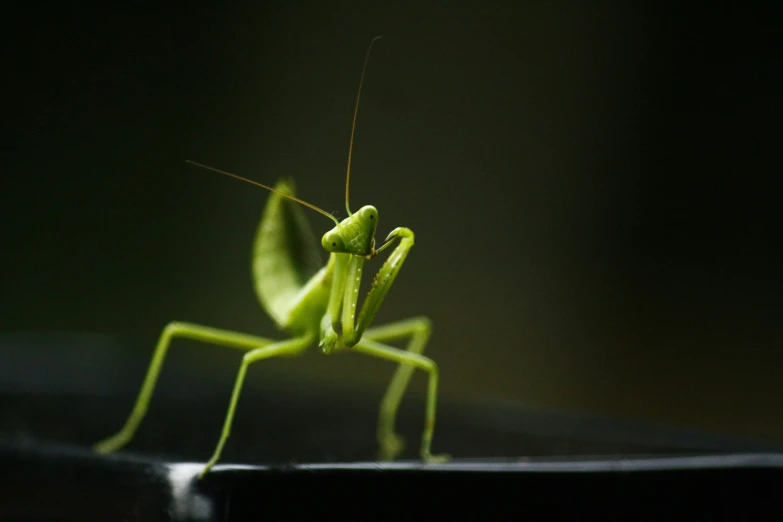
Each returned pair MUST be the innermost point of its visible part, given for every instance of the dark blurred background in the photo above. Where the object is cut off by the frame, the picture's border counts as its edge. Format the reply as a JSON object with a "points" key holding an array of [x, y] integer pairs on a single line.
{"points": [[593, 187]]}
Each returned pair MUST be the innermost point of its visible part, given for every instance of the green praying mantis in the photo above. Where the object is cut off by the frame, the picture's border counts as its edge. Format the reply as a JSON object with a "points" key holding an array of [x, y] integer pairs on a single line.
{"points": [[314, 305]]}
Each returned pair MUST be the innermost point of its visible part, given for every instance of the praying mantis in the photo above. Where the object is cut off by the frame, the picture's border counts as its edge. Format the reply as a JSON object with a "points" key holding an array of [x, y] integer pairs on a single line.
{"points": [[314, 305]]}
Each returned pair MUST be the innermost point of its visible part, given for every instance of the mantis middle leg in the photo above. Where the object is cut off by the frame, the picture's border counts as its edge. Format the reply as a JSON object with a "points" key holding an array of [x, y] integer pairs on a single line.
{"points": [[418, 329], [390, 443]]}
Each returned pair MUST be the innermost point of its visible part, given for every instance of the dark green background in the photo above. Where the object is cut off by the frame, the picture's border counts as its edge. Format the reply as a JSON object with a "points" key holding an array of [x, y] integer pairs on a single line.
{"points": [[593, 187]]}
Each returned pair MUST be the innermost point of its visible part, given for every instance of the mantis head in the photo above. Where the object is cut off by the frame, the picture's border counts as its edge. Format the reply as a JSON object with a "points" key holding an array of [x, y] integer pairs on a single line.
{"points": [[354, 235]]}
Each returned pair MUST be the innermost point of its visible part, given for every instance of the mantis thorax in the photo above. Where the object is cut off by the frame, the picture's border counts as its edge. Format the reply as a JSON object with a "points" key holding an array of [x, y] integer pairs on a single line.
{"points": [[354, 235]]}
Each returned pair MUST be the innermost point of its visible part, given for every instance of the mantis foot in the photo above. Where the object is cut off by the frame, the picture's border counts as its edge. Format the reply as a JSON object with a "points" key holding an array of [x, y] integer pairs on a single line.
{"points": [[429, 458], [111, 444], [208, 466], [391, 447], [329, 341]]}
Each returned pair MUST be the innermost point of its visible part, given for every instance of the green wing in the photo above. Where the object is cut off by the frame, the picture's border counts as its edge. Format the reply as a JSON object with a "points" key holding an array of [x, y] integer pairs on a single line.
{"points": [[285, 253]]}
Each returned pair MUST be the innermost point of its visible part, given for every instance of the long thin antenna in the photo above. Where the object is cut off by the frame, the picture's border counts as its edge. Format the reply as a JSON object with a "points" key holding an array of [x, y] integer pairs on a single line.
{"points": [[353, 127], [256, 183]]}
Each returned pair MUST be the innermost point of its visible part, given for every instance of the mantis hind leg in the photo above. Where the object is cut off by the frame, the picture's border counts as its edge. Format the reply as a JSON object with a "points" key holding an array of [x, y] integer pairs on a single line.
{"points": [[418, 329], [173, 330]]}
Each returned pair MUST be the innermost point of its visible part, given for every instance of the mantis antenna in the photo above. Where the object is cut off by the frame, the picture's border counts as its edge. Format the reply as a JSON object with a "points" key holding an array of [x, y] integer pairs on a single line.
{"points": [[350, 153], [353, 127], [256, 183]]}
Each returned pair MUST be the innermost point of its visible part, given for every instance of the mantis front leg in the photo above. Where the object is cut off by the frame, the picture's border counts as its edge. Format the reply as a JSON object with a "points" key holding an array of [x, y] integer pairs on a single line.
{"points": [[344, 296]]}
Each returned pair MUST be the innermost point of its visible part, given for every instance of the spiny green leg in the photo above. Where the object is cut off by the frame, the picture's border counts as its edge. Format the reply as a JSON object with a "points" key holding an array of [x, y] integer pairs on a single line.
{"points": [[182, 330], [381, 284], [289, 347], [418, 329], [412, 360]]}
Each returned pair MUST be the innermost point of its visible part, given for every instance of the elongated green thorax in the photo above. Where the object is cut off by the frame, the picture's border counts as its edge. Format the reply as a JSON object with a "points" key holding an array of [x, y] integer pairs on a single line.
{"points": [[354, 235]]}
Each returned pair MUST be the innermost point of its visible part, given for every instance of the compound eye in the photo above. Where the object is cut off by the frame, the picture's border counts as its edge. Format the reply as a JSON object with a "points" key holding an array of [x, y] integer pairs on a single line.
{"points": [[370, 213], [332, 242]]}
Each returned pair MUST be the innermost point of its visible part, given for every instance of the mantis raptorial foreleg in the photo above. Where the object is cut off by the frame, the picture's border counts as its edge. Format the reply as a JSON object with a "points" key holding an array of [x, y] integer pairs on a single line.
{"points": [[174, 330], [345, 292]]}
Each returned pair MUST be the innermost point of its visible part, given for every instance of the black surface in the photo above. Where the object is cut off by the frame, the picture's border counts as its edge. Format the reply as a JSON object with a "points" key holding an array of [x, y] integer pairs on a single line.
{"points": [[307, 453]]}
